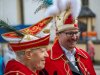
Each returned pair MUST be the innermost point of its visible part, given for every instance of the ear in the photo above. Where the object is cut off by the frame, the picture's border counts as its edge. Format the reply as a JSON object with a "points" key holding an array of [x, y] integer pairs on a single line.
{"points": [[28, 54]]}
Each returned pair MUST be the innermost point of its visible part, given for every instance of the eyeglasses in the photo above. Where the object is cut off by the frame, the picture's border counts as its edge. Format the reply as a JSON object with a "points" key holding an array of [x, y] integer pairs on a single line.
{"points": [[72, 33]]}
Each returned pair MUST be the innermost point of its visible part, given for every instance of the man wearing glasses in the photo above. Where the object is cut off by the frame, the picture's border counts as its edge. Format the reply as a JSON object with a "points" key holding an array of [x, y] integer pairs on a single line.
{"points": [[65, 57]]}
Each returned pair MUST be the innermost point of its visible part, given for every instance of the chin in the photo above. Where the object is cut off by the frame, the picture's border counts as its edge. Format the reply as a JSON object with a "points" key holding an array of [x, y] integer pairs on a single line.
{"points": [[72, 47], [40, 68]]}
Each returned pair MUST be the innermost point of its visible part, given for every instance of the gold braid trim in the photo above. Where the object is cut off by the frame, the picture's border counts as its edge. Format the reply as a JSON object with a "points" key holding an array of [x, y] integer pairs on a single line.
{"points": [[66, 62], [33, 48], [32, 42], [17, 72], [83, 54], [51, 56], [84, 68]]}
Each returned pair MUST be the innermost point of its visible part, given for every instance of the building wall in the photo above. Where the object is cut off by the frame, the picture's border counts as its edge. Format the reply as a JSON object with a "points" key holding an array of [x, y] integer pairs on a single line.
{"points": [[29, 8], [94, 5], [11, 10], [8, 11]]}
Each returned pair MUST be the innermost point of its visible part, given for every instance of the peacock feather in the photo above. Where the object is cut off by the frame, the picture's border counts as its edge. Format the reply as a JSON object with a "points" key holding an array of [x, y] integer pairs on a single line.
{"points": [[44, 4], [4, 25]]}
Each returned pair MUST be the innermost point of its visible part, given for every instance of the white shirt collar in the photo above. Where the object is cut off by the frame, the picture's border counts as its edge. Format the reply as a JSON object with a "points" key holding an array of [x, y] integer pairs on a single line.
{"points": [[67, 52]]}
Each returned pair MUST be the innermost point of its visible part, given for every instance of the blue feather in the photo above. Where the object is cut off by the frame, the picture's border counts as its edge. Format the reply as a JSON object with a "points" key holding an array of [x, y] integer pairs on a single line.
{"points": [[48, 2], [44, 4]]}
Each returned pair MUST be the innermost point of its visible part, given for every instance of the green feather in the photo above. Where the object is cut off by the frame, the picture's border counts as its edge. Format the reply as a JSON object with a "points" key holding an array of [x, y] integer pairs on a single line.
{"points": [[9, 28]]}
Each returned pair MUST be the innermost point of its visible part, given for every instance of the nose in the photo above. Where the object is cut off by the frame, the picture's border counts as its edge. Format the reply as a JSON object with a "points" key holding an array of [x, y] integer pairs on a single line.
{"points": [[74, 36]]}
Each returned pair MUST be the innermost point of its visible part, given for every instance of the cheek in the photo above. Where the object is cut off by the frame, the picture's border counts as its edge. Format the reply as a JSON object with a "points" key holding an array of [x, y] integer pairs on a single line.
{"points": [[77, 38], [35, 62], [63, 38], [37, 57]]}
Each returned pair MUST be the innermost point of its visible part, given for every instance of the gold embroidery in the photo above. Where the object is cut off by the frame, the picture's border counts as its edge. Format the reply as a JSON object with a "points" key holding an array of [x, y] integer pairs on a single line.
{"points": [[34, 29]]}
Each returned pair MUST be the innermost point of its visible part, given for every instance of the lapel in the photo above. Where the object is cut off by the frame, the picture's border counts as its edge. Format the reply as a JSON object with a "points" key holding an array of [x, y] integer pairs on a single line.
{"points": [[56, 52], [73, 68]]}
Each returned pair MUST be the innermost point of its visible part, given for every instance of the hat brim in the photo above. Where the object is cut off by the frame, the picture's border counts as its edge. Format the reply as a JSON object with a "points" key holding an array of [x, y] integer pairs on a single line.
{"points": [[44, 41], [66, 27]]}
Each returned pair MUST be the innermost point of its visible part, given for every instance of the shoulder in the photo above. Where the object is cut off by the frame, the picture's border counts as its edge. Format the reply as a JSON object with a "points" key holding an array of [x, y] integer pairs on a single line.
{"points": [[16, 68], [12, 68], [82, 52]]}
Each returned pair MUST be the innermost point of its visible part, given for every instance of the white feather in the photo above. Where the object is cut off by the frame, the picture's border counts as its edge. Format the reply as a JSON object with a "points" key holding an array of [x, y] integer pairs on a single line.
{"points": [[52, 30], [62, 4], [75, 8], [53, 10]]}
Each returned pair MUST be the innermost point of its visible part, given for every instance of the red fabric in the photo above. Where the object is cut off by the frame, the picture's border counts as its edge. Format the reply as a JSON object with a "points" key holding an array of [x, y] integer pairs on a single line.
{"points": [[44, 41], [69, 20], [58, 62], [76, 25], [15, 68]]}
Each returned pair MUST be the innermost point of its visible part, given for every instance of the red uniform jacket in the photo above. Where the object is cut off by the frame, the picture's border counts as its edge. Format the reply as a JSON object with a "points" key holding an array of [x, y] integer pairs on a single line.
{"points": [[57, 64], [15, 68]]}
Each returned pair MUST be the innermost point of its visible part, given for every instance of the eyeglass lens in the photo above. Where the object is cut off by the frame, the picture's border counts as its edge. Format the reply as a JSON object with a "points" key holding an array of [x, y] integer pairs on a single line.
{"points": [[72, 33]]}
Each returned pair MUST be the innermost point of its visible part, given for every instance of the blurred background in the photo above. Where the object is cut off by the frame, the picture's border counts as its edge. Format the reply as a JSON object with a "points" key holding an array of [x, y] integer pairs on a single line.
{"points": [[20, 14]]}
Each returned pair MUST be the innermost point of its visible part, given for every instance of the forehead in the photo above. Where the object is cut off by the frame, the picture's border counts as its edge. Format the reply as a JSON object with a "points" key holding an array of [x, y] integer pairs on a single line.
{"points": [[71, 30]]}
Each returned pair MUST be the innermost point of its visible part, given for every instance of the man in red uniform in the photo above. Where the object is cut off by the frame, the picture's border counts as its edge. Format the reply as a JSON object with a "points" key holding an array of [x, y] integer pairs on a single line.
{"points": [[30, 49], [65, 58]]}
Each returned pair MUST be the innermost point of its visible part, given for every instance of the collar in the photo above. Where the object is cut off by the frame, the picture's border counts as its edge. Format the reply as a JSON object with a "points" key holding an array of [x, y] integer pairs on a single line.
{"points": [[81, 52], [67, 52], [57, 52]]}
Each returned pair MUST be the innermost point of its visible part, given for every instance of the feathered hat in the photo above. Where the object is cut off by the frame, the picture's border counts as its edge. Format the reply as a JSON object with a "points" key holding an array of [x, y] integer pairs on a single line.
{"points": [[29, 38], [65, 13]]}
